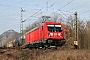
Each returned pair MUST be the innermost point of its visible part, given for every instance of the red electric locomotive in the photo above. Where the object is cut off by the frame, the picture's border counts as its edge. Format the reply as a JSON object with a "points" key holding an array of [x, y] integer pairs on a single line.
{"points": [[46, 35]]}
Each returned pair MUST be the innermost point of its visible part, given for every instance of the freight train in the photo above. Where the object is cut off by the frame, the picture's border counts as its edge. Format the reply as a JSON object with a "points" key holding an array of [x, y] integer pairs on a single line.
{"points": [[48, 34]]}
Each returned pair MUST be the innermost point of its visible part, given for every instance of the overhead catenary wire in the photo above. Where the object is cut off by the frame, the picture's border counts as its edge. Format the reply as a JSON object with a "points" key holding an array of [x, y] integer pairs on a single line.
{"points": [[63, 7], [32, 9], [67, 11], [66, 4], [73, 8], [49, 6], [62, 16], [35, 16], [63, 13], [66, 19], [32, 15], [85, 11], [70, 13], [80, 5]]}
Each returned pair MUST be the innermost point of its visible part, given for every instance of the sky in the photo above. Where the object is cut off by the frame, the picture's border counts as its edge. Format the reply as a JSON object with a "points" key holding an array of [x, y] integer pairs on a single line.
{"points": [[10, 11]]}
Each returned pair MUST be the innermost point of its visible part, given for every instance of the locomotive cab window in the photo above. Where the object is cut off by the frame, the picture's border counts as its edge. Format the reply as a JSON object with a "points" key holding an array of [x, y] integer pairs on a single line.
{"points": [[54, 28], [51, 28], [58, 28]]}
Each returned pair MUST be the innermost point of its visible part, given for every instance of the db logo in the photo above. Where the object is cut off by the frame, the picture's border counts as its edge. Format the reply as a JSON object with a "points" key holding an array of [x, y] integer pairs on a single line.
{"points": [[55, 33]]}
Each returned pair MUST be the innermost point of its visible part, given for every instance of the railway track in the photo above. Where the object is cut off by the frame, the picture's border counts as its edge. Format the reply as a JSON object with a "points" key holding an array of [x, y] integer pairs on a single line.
{"points": [[40, 48]]}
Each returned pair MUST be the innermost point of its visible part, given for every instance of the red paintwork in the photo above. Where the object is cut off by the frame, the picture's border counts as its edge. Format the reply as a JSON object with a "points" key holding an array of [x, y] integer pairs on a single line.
{"points": [[41, 33]]}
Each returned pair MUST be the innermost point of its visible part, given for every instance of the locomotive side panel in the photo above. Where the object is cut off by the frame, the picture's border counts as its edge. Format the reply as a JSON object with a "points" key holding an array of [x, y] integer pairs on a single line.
{"points": [[34, 35]]}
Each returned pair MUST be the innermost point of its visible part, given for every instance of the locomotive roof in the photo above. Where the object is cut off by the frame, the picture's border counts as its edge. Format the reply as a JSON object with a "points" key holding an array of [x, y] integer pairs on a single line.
{"points": [[52, 22], [32, 29]]}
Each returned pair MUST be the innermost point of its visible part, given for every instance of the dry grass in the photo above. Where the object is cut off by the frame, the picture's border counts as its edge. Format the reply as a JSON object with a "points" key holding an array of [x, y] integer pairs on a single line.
{"points": [[49, 54]]}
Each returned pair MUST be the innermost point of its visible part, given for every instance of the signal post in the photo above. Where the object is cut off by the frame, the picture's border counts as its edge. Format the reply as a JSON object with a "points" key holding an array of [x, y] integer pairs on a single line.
{"points": [[76, 32]]}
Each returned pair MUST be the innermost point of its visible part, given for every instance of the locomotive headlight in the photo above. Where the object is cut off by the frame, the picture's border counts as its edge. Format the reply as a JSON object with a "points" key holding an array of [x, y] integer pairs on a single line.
{"points": [[50, 34], [59, 34]]}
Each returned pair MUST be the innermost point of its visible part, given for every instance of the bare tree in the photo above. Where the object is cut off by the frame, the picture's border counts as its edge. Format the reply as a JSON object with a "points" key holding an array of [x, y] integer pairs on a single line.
{"points": [[88, 34]]}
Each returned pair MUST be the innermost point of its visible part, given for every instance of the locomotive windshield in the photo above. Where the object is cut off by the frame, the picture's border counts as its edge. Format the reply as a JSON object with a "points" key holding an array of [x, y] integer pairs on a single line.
{"points": [[54, 28]]}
